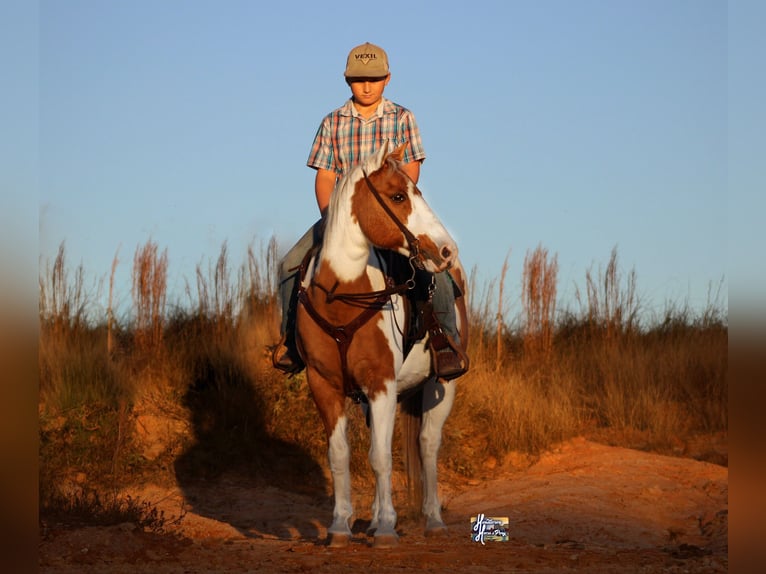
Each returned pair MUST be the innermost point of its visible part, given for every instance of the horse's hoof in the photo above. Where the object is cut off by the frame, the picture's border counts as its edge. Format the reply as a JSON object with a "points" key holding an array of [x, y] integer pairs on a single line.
{"points": [[372, 529], [385, 541], [436, 532], [339, 540]]}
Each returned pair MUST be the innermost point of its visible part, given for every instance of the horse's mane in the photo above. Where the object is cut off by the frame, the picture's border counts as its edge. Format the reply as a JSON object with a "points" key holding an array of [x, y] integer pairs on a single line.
{"points": [[346, 184]]}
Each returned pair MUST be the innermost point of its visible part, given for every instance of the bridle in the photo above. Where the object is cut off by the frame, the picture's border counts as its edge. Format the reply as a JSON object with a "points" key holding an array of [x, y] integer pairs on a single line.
{"points": [[412, 242], [371, 302]]}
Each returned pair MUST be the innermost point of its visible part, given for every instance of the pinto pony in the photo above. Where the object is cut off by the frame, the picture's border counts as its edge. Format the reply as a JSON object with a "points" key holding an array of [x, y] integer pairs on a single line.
{"points": [[350, 335]]}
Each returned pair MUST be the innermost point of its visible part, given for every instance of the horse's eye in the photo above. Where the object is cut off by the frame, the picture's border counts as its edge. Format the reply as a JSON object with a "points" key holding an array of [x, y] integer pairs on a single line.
{"points": [[398, 198]]}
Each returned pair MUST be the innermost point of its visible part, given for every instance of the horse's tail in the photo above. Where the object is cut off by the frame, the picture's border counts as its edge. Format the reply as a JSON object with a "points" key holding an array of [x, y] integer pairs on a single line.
{"points": [[412, 417]]}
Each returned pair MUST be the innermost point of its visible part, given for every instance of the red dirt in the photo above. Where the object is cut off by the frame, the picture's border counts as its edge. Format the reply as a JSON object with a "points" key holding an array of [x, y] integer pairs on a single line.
{"points": [[583, 507]]}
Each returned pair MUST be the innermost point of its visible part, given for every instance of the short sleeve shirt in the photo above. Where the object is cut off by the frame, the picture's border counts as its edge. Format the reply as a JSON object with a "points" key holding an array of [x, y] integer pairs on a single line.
{"points": [[344, 139]]}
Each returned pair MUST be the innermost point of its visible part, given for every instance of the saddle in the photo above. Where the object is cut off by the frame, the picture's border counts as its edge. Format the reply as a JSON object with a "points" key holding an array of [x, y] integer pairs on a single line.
{"points": [[448, 360]]}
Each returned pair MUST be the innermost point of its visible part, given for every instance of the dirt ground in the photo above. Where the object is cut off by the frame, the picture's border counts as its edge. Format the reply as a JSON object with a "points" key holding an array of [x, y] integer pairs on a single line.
{"points": [[583, 507]]}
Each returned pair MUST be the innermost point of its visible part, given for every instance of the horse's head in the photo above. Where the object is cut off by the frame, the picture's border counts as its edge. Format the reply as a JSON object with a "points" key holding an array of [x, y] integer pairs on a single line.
{"points": [[392, 213]]}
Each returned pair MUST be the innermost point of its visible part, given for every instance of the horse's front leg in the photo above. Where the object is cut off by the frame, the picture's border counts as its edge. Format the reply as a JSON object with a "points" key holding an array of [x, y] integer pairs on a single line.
{"points": [[438, 397], [382, 418], [331, 405], [338, 455]]}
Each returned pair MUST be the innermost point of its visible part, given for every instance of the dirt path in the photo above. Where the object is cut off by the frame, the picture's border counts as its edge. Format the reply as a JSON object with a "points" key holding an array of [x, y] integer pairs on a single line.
{"points": [[584, 507]]}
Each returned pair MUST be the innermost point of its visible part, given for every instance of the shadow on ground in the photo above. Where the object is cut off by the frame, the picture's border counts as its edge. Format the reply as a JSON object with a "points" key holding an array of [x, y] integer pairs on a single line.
{"points": [[234, 472]]}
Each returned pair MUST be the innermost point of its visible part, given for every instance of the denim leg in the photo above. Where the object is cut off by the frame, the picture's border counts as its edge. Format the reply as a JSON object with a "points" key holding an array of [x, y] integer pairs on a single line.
{"points": [[444, 305], [288, 278]]}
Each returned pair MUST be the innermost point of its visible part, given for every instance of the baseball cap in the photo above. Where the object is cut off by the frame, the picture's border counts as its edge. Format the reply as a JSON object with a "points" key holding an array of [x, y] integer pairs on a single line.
{"points": [[367, 61]]}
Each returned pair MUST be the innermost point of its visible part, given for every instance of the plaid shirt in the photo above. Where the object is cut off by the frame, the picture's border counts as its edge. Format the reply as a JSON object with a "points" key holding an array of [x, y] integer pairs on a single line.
{"points": [[345, 139]]}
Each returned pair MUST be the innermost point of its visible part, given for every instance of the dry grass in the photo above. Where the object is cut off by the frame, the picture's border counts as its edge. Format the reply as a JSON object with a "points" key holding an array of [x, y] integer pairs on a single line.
{"points": [[90, 507], [538, 297], [500, 317], [63, 297], [611, 307], [513, 413], [150, 269], [598, 372]]}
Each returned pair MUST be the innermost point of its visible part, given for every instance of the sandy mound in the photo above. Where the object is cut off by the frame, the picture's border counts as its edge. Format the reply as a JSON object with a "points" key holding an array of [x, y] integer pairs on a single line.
{"points": [[584, 506]]}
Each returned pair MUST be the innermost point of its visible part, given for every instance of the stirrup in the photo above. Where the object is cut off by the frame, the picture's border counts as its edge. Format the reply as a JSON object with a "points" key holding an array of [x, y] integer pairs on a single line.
{"points": [[285, 359], [448, 359]]}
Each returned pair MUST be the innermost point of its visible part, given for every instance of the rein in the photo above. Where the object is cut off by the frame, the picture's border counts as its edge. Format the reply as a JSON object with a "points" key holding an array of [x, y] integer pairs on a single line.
{"points": [[371, 302]]}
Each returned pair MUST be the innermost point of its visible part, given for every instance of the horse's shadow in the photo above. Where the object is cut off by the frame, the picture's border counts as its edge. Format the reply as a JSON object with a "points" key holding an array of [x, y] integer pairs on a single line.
{"points": [[234, 472]]}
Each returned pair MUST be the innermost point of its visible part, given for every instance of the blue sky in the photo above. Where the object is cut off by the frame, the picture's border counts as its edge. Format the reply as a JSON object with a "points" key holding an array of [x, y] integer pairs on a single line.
{"points": [[580, 126]]}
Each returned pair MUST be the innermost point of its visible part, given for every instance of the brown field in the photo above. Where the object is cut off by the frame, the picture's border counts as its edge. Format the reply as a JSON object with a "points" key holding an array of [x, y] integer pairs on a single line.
{"points": [[169, 444]]}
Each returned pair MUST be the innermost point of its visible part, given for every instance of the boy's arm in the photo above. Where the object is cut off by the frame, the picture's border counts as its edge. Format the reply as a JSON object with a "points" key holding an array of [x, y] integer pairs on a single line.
{"points": [[324, 183]]}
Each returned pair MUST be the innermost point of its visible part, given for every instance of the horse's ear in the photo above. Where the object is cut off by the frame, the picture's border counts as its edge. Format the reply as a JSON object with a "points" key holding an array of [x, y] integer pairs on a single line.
{"points": [[381, 155], [398, 153]]}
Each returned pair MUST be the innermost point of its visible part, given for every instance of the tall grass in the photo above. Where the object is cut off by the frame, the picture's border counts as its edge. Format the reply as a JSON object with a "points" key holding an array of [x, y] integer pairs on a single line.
{"points": [[599, 372], [150, 268], [604, 370], [64, 297], [538, 297], [611, 302], [74, 369]]}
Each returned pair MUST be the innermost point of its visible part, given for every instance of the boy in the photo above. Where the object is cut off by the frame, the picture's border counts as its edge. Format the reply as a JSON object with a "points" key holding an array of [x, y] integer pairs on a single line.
{"points": [[345, 137]]}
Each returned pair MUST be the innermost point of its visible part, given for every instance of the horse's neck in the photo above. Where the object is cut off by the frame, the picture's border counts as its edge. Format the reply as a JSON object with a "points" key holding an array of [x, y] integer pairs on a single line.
{"points": [[345, 249]]}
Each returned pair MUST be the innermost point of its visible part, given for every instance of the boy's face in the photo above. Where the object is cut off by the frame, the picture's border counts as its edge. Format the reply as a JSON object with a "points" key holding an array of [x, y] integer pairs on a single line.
{"points": [[368, 91]]}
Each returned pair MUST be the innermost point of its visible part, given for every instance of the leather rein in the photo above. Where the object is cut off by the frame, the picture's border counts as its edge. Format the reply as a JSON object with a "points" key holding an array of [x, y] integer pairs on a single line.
{"points": [[371, 302]]}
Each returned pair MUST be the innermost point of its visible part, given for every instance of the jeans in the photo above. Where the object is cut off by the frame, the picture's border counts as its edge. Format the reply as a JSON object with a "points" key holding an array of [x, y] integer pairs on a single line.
{"points": [[289, 275]]}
